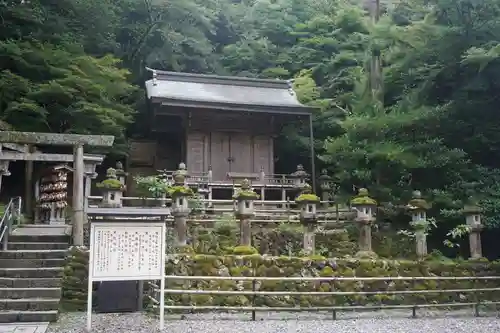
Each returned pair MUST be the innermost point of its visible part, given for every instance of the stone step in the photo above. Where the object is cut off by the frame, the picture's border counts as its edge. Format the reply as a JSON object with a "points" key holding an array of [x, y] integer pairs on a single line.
{"points": [[17, 293], [29, 304], [32, 254], [39, 238], [44, 272], [28, 316], [37, 245], [31, 263], [30, 282]]}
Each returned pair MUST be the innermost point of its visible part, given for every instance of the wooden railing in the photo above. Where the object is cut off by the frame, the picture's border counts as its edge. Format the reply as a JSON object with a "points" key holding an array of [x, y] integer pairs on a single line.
{"points": [[266, 211]]}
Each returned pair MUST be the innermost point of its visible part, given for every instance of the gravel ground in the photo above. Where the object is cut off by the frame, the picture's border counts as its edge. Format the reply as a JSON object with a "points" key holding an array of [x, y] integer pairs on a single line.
{"points": [[375, 322]]}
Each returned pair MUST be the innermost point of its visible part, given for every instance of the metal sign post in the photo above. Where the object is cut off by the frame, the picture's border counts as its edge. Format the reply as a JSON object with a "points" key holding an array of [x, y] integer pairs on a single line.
{"points": [[126, 251]]}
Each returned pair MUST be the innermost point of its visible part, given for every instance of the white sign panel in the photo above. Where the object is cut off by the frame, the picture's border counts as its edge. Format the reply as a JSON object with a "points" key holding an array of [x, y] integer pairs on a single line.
{"points": [[127, 251]]}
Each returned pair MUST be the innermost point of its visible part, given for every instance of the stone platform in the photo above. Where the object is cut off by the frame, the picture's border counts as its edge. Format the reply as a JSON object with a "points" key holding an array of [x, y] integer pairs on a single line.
{"points": [[24, 328]]}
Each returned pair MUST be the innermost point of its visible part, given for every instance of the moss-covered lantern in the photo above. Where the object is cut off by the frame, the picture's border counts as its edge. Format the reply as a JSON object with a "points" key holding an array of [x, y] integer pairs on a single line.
{"points": [[112, 189], [182, 170], [307, 202], [245, 197], [472, 214], [120, 173], [180, 194], [364, 205], [299, 177], [418, 208]]}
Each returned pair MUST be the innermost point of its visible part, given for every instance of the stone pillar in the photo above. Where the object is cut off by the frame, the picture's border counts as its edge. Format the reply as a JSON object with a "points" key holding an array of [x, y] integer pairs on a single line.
{"points": [[307, 202], [472, 214], [325, 185], [28, 185], [245, 211], [180, 208], [418, 208], [112, 190], [364, 207], [78, 214]]}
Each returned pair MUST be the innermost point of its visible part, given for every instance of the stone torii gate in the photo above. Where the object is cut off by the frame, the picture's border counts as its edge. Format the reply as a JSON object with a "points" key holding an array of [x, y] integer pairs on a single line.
{"points": [[23, 143]]}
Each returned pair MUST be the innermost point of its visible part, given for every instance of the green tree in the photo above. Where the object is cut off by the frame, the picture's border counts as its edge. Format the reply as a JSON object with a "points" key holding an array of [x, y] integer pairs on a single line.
{"points": [[60, 89]]}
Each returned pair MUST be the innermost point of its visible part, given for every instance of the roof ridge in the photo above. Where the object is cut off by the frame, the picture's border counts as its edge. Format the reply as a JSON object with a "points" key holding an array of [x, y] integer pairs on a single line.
{"points": [[219, 79]]}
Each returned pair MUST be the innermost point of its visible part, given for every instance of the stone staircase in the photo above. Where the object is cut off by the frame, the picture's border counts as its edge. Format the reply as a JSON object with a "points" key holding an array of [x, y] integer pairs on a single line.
{"points": [[30, 277]]}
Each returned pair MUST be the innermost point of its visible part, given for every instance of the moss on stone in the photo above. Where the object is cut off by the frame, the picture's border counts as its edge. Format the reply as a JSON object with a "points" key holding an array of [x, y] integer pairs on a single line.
{"points": [[180, 191], [363, 199], [111, 184], [187, 264], [359, 201], [307, 198], [244, 250], [74, 280], [245, 195], [419, 204], [292, 266]]}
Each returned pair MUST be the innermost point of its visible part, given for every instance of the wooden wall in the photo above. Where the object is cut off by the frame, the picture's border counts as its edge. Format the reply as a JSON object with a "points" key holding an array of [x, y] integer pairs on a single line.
{"points": [[225, 140], [229, 151]]}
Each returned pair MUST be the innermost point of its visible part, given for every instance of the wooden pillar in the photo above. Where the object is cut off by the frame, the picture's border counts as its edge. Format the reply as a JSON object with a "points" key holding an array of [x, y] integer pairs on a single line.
{"points": [[28, 186], [78, 214]]}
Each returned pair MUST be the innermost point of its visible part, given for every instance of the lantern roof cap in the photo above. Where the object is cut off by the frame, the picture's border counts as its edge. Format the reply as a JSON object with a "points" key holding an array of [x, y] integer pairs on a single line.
{"points": [[363, 198]]}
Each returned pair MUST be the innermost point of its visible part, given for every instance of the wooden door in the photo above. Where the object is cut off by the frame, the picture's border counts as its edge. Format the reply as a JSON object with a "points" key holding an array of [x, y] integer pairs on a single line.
{"points": [[240, 145], [219, 155], [197, 153], [263, 154]]}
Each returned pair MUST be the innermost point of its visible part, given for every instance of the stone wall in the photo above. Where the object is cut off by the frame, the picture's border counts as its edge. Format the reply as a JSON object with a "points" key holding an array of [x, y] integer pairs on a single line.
{"points": [[76, 271], [75, 279], [256, 265]]}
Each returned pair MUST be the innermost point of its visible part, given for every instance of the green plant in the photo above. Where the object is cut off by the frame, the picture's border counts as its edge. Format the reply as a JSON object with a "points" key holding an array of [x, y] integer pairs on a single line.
{"points": [[225, 225], [153, 186], [195, 204]]}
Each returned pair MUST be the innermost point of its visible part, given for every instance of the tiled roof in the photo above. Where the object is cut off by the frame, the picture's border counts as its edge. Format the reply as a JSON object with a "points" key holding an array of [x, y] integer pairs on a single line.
{"points": [[247, 93]]}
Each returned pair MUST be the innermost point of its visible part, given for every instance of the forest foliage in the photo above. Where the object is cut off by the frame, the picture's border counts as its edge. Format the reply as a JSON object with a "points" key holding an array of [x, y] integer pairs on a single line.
{"points": [[78, 65]]}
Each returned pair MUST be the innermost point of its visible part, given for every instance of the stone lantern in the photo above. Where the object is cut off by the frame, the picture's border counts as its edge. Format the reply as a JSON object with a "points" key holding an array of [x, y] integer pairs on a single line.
{"points": [[418, 208], [120, 173], [180, 207], [112, 190], [326, 185], [364, 207], [299, 177], [90, 174], [4, 169], [472, 214], [308, 202], [245, 211], [182, 171]]}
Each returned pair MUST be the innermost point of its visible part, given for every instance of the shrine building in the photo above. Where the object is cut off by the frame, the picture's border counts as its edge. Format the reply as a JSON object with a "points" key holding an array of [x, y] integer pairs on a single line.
{"points": [[217, 125]]}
